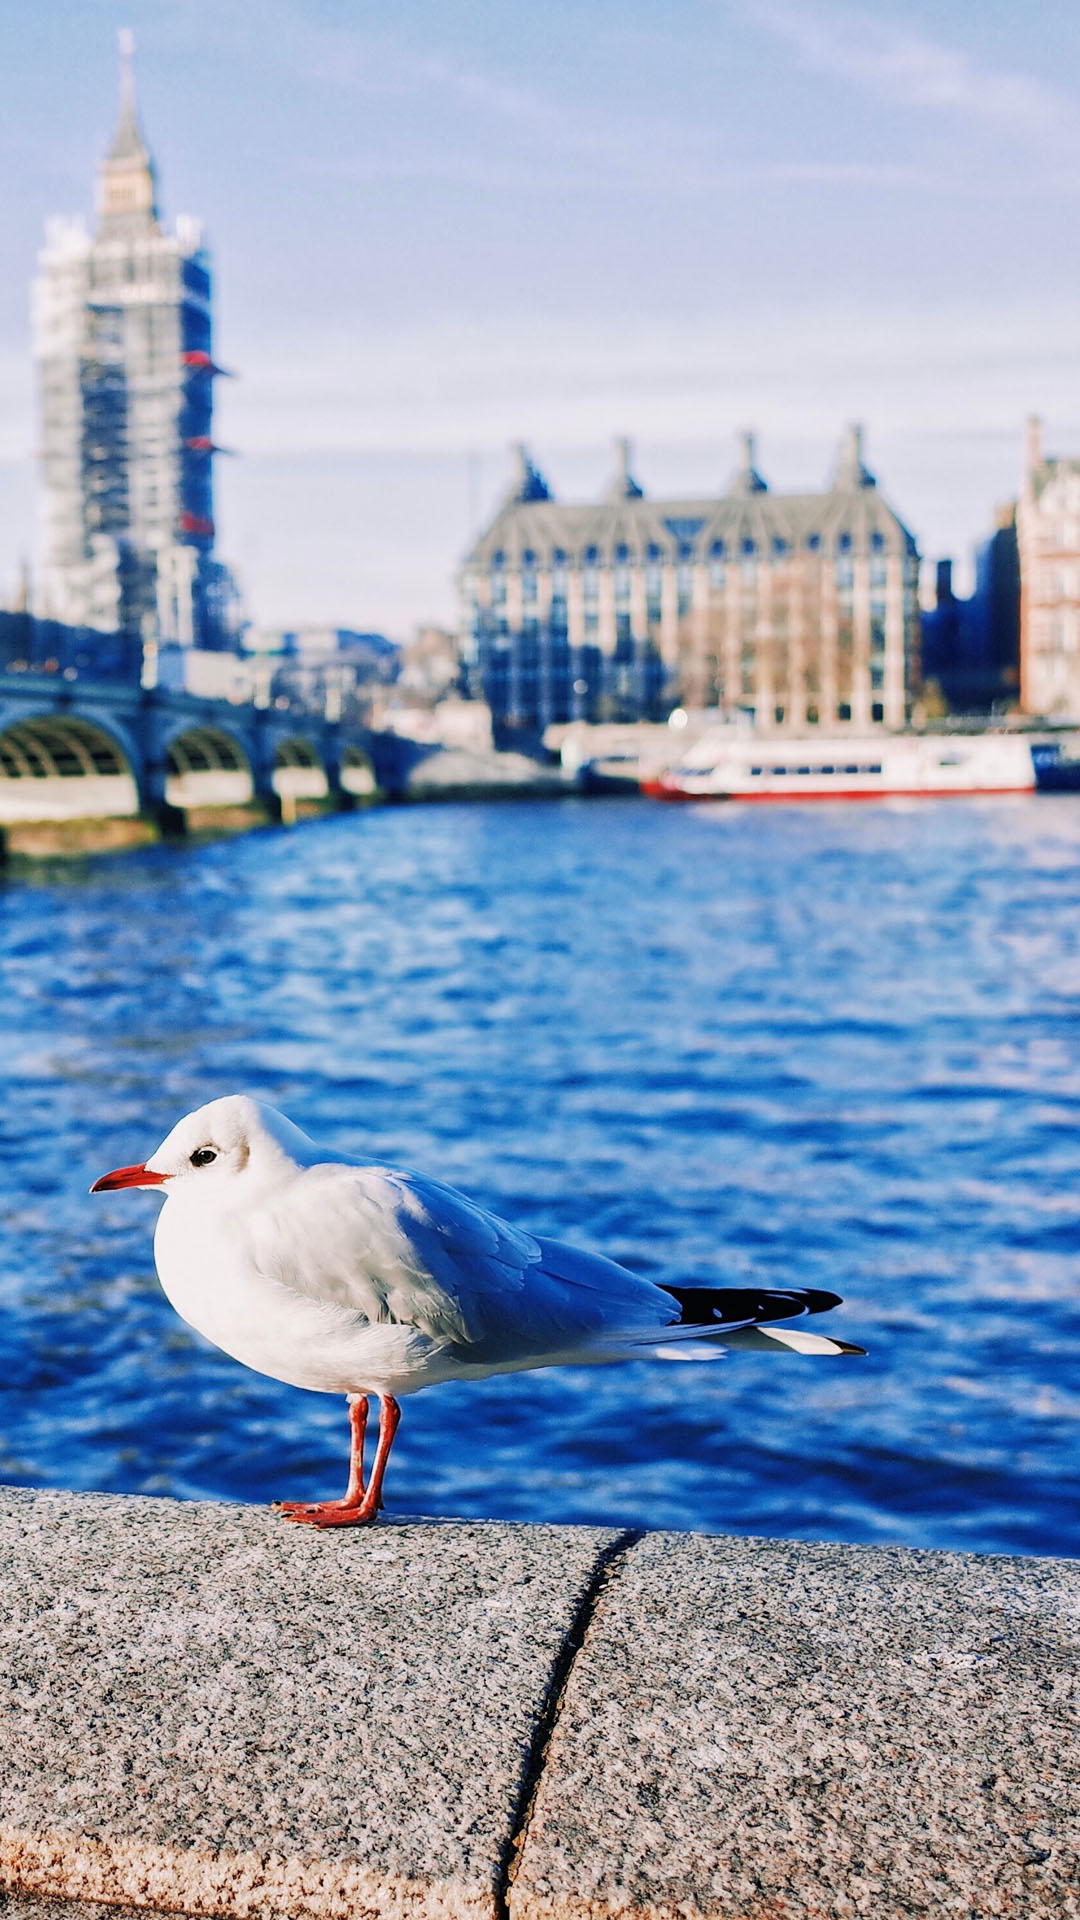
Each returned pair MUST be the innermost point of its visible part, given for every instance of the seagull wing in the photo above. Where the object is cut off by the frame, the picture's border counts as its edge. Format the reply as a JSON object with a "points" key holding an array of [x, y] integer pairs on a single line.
{"points": [[397, 1247]]}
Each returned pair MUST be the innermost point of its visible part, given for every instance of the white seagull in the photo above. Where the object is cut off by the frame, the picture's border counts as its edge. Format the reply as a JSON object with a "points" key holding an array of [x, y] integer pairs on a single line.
{"points": [[358, 1279]]}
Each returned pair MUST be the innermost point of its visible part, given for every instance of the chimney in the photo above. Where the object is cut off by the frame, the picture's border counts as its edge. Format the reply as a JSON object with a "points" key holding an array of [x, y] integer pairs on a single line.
{"points": [[850, 471], [623, 486], [748, 479], [1033, 443]]}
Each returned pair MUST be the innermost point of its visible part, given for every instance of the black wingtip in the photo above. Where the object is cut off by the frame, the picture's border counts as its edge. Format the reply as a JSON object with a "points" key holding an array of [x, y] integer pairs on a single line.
{"points": [[846, 1346]]}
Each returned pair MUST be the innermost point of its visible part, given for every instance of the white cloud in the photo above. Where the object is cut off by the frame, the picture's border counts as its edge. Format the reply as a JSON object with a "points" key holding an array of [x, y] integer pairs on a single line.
{"points": [[896, 63]]}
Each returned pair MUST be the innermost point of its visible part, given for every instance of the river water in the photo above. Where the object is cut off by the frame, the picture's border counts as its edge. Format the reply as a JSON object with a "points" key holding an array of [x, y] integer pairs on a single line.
{"points": [[825, 1045]]}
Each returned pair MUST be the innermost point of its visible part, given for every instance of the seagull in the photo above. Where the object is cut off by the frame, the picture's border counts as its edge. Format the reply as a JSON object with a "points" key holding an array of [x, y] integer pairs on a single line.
{"points": [[364, 1279]]}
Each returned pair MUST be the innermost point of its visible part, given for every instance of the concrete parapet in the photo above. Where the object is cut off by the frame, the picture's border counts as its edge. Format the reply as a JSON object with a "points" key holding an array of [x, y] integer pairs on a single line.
{"points": [[204, 1711]]}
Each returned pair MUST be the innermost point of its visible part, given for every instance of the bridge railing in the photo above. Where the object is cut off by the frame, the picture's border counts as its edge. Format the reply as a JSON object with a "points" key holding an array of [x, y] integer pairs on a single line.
{"points": [[30, 645]]}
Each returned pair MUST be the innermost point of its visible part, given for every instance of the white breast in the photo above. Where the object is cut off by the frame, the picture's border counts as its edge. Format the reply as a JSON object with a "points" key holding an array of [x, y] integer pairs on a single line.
{"points": [[207, 1274]]}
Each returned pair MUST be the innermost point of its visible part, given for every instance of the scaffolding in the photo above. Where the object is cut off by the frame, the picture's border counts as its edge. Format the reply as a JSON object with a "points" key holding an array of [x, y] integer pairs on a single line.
{"points": [[123, 340]]}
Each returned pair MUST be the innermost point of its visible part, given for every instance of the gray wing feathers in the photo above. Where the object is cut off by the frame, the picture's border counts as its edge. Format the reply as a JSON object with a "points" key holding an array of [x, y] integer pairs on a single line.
{"points": [[397, 1247]]}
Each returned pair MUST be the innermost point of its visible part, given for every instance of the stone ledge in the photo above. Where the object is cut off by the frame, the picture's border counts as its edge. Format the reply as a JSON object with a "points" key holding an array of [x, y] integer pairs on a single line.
{"points": [[774, 1730], [204, 1711], [207, 1711]]}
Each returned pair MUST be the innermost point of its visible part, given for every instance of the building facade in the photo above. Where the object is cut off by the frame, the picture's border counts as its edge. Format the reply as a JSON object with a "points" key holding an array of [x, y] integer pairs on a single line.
{"points": [[122, 329], [1048, 535], [971, 648], [800, 607]]}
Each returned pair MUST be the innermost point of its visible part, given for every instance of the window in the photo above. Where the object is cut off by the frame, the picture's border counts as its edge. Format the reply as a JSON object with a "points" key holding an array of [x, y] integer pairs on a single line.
{"points": [[843, 544], [748, 548], [778, 715], [684, 586], [877, 543], [779, 546], [843, 712], [877, 712], [812, 721], [813, 542]]}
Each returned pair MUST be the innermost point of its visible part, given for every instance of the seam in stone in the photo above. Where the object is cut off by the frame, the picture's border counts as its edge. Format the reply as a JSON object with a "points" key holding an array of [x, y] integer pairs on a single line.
{"points": [[603, 1574]]}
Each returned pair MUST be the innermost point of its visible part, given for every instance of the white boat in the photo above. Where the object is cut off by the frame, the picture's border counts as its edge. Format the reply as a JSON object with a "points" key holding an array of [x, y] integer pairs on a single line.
{"points": [[732, 766]]}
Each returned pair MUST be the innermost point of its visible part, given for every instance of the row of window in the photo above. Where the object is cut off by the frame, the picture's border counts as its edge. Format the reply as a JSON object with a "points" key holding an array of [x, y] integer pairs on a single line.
{"points": [[782, 772], [812, 717], [684, 581], [623, 555]]}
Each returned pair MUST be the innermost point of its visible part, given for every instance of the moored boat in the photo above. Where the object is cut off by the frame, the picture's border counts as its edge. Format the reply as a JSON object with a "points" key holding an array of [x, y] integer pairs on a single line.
{"points": [[724, 765]]}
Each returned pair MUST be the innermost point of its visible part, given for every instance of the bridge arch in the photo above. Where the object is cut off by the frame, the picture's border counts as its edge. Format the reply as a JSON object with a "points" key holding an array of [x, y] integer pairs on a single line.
{"points": [[299, 772], [207, 767], [58, 766], [358, 774]]}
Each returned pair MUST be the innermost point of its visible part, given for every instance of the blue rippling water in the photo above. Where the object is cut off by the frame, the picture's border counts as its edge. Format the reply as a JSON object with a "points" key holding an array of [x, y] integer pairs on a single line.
{"points": [[833, 1046]]}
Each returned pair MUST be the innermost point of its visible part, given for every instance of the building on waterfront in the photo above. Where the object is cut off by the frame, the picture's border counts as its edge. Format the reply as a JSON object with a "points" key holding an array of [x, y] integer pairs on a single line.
{"points": [[1048, 535], [122, 330], [800, 607], [971, 647]]}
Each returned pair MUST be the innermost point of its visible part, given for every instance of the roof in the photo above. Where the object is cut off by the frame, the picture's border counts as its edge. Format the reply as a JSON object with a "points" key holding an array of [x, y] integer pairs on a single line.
{"points": [[691, 528]]}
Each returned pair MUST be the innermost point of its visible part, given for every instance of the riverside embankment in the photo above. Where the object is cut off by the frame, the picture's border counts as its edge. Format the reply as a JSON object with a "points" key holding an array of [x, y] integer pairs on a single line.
{"points": [[203, 1711]]}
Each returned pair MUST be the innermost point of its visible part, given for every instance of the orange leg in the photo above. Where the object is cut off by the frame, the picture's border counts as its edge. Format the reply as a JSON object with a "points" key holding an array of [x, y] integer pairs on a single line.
{"points": [[335, 1513], [354, 1492]]}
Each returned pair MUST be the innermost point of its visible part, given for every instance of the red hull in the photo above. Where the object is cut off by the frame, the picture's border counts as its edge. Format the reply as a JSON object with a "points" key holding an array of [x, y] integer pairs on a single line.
{"points": [[656, 791]]}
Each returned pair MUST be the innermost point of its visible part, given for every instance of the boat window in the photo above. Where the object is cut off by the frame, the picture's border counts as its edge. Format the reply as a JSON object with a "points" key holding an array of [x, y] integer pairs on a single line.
{"points": [[777, 769], [875, 769], [802, 769], [852, 769], [828, 769], [755, 769]]}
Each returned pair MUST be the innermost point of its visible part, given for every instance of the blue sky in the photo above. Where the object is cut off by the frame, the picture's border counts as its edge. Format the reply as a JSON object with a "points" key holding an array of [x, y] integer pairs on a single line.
{"points": [[438, 228]]}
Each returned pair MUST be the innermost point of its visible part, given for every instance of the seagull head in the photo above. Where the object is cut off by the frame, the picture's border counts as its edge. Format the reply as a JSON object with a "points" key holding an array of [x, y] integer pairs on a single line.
{"points": [[229, 1149]]}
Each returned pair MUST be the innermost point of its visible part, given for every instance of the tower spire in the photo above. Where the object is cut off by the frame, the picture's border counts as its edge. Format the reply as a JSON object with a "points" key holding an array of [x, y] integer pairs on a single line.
{"points": [[127, 190], [125, 47]]}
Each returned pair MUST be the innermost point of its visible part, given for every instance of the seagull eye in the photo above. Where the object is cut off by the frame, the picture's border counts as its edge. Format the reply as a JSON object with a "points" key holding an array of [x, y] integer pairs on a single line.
{"points": [[202, 1156]]}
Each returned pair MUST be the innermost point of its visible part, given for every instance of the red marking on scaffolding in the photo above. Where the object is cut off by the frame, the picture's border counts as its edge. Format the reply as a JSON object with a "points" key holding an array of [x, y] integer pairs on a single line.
{"points": [[200, 362], [197, 523]]}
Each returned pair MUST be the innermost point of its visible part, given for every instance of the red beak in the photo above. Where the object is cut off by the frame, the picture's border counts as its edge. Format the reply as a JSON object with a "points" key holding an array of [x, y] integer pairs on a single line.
{"points": [[128, 1177]]}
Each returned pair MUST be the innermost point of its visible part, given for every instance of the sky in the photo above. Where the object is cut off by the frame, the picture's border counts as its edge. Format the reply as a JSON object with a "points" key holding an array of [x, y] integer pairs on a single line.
{"points": [[444, 226]]}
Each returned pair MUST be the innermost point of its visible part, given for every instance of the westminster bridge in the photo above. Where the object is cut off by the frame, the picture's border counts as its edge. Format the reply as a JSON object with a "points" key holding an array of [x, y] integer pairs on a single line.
{"points": [[80, 746]]}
